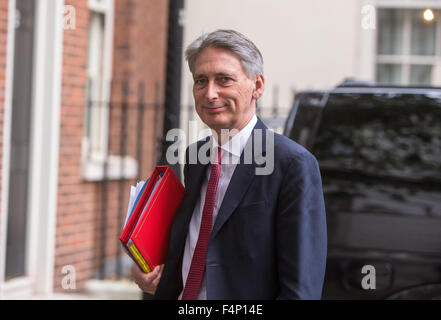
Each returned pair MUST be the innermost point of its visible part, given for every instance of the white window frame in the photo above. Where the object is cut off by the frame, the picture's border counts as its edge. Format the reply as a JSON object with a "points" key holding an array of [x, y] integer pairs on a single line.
{"points": [[7, 150], [405, 59], [94, 159]]}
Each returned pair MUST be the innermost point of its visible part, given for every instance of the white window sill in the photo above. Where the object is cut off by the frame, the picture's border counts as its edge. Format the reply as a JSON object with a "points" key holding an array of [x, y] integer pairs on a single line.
{"points": [[16, 288], [94, 168]]}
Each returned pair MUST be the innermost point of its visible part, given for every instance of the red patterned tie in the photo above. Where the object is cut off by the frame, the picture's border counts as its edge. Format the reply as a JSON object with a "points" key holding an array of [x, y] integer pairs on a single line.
{"points": [[197, 268]]}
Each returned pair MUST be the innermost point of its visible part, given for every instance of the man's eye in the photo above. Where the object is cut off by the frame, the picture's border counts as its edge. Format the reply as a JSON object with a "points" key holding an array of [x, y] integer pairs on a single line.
{"points": [[225, 79], [199, 82]]}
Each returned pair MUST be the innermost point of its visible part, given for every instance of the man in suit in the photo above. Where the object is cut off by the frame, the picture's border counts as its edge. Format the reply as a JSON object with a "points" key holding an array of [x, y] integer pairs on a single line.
{"points": [[252, 224]]}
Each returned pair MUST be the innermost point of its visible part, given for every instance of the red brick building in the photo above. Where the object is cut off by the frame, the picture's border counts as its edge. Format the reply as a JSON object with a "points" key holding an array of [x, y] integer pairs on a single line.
{"points": [[74, 77]]}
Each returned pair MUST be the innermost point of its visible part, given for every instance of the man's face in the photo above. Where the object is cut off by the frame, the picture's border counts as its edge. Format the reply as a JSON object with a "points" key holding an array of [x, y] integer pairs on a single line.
{"points": [[225, 97]]}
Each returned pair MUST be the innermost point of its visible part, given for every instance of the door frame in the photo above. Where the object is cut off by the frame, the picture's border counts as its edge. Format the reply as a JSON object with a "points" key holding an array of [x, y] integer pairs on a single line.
{"points": [[44, 150]]}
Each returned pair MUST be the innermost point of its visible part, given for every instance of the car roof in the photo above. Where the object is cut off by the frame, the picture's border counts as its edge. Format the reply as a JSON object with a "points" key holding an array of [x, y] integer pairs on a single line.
{"points": [[377, 89], [353, 83]]}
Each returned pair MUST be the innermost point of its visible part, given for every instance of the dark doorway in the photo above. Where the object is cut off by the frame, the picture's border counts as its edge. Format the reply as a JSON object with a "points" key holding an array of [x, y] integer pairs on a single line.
{"points": [[20, 139]]}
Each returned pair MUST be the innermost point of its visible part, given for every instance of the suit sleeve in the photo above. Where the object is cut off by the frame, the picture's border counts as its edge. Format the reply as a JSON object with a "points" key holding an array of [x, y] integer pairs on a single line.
{"points": [[301, 231]]}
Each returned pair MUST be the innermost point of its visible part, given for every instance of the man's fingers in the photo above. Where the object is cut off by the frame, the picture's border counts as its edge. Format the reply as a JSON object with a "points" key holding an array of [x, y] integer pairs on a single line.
{"points": [[149, 277], [152, 275], [156, 280], [148, 282], [157, 269], [155, 275]]}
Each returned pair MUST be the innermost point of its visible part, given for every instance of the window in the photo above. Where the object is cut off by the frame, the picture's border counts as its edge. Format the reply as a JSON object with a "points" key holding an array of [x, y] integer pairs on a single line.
{"points": [[98, 86], [408, 47], [99, 67], [377, 134], [96, 99]]}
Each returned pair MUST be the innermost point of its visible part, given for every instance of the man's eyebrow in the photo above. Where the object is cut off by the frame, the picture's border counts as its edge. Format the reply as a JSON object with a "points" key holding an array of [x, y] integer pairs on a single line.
{"points": [[223, 74], [200, 75], [218, 74]]}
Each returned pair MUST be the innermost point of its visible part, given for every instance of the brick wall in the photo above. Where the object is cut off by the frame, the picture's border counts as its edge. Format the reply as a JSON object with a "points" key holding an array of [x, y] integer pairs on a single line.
{"points": [[140, 56], [3, 40], [140, 35], [74, 221]]}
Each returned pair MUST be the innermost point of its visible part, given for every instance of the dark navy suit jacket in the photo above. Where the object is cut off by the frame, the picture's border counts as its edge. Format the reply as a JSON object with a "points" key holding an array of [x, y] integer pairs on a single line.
{"points": [[269, 238]]}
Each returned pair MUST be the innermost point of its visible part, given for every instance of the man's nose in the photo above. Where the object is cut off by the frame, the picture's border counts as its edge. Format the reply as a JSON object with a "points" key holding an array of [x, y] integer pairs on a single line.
{"points": [[212, 92]]}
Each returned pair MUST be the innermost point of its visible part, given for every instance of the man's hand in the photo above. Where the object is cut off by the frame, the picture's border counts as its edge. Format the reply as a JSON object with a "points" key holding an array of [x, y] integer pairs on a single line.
{"points": [[147, 282]]}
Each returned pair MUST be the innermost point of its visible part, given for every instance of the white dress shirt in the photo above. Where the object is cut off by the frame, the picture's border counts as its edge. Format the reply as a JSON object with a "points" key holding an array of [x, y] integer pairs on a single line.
{"points": [[230, 156]]}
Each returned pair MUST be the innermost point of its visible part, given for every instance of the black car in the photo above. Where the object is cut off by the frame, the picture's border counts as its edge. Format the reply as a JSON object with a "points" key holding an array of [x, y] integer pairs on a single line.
{"points": [[379, 150]]}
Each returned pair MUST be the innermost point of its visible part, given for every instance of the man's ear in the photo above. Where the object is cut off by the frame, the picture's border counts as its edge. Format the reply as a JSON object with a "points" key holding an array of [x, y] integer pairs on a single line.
{"points": [[259, 86]]}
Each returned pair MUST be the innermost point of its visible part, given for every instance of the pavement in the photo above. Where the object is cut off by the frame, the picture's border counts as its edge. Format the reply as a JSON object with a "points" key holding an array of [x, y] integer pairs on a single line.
{"points": [[93, 290]]}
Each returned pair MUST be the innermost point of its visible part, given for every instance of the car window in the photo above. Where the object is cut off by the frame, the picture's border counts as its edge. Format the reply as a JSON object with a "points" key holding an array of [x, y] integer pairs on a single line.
{"points": [[394, 136], [306, 118]]}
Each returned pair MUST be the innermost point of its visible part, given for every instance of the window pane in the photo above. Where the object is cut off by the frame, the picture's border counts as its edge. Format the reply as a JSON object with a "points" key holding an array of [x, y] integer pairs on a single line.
{"points": [[390, 31], [420, 74], [383, 136], [423, 35], [389, 73], [95, 107], [96, 52]]}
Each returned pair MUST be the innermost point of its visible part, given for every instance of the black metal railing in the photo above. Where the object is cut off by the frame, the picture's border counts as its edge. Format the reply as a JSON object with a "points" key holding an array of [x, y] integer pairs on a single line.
{"points": [[124, 121]]}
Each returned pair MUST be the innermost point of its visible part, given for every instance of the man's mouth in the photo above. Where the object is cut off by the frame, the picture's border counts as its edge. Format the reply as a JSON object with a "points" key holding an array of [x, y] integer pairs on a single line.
{"points": [[214, 109]]}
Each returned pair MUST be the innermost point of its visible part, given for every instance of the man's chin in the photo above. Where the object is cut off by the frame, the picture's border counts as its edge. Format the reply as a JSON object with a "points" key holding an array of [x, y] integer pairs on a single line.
{"points": [[216, 122], [218, 127]]}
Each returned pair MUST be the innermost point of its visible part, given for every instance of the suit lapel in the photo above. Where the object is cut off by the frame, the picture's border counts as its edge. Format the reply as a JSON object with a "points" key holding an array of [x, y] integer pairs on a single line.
{"points": [[240, 181]]}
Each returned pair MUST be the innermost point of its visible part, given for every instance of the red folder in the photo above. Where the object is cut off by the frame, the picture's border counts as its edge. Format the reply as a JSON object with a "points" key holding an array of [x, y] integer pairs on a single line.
{"points": [[146, 235]]}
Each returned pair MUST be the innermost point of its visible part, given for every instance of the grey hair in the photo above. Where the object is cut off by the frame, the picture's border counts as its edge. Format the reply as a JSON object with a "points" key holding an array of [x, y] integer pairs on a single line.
{"points": [[249, 56]]}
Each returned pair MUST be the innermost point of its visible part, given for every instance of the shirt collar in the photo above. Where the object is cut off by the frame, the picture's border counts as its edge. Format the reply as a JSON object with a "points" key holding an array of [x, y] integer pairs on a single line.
{"points": [[237, 143]]}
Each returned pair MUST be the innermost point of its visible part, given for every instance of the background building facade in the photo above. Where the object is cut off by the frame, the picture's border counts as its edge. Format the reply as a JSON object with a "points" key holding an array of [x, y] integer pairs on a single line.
{"points": [[317, 44], [81, 85]]}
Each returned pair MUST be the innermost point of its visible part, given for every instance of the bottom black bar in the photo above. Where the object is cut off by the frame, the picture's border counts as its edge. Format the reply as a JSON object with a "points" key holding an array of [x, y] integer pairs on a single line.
{"points": [[163, 310]]}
